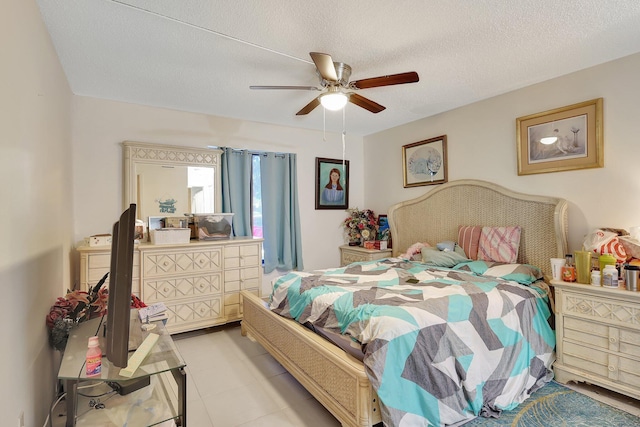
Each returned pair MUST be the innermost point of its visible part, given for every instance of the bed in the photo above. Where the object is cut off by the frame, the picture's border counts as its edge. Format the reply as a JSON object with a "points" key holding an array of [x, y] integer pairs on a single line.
{"points": [[338, 379]]}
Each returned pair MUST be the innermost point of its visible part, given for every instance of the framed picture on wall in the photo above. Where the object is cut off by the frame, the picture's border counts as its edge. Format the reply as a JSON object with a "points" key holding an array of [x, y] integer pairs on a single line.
{"points": [[425, 162], [563, 139], [332, 183]]}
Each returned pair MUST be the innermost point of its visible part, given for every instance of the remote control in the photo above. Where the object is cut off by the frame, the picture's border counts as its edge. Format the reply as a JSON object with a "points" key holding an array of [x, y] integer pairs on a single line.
{"points": [[138, 356]]}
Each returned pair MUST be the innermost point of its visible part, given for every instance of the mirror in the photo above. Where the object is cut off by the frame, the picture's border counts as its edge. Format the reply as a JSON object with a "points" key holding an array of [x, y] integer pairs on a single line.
{"points": [[166, 180]]}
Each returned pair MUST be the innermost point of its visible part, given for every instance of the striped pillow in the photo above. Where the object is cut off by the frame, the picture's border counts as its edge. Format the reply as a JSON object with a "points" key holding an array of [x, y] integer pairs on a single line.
{"points": [[468, 239], [499, 244]]}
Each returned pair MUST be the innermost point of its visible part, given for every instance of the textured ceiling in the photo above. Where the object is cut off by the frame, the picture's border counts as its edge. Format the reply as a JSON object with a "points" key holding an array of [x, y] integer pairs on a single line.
{"points": [[202, 55]]}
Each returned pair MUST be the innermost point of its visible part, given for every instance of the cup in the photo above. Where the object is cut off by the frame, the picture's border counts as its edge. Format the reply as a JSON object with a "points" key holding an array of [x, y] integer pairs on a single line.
{"points": [[631, 276], [556, 267], [583, 266]]}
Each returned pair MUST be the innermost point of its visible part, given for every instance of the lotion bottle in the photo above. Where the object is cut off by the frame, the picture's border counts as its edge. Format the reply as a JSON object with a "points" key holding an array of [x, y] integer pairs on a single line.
{"points": [[94, 358]]}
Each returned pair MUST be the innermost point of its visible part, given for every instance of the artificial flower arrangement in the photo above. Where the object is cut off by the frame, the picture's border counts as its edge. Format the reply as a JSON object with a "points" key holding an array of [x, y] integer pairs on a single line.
{"points": [[77, 307], [360, 225]]}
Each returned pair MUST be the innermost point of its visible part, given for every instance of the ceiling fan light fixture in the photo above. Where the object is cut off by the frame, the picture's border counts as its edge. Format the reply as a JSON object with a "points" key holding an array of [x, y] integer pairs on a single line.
{"points": [[333, 101]]}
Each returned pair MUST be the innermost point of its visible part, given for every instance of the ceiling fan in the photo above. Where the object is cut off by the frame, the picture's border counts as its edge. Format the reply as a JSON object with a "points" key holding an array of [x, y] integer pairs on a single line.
{"points": [[337, 89]]}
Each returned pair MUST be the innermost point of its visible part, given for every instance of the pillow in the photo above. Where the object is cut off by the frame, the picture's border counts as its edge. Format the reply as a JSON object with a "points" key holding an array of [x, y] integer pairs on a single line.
{"points": [[522, 273], [438, 258], [447, 245], [499, 244], [468, 238]]}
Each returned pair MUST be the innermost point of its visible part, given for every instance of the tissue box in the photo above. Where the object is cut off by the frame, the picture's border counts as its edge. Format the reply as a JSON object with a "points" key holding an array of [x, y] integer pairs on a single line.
{"points": [[214, 226], [100, 240], [170, 236]]}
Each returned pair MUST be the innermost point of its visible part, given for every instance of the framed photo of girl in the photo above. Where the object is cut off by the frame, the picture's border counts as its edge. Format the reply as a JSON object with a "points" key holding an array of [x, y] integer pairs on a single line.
{"points": [[332, 183]]}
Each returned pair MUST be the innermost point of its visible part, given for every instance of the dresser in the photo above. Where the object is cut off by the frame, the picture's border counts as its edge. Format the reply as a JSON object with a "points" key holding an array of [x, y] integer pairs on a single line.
{"points": [[598, 336], [349, 254], [199, 282]]}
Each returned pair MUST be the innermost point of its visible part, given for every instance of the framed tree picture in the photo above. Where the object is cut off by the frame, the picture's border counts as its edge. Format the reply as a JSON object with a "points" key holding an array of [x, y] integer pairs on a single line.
{"points": [[425, 162], [332, 183]]}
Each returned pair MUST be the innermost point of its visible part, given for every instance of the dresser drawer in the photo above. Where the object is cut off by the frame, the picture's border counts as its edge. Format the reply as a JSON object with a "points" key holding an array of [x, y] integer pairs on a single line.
{"points": [[602, 336], [604, 364], [154, 290], [163, 263], [194, 314], [93, 266], [611, 311], [246, 278], [242, 255]]}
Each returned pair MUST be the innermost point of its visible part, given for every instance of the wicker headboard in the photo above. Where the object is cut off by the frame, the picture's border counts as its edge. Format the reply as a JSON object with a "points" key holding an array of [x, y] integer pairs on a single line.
{"points": [[435, 217]]}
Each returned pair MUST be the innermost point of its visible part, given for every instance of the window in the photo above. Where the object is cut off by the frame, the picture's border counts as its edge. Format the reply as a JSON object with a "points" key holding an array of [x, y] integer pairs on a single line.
{"points": [[256, 198]]}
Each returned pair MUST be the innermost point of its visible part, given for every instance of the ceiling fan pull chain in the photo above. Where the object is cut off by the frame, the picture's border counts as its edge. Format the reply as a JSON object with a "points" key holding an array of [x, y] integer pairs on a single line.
{"points": [[344, 137], [324, 125]]}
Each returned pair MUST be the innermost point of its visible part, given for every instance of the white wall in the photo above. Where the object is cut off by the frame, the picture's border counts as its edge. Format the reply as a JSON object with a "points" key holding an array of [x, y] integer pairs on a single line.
{"points": [[36, 215], [482, 145], [99, 126]]}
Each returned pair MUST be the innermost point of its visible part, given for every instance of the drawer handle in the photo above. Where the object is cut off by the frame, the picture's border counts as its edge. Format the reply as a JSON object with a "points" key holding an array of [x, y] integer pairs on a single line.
{"points": [[612, 340], [583, 307], [165, 290], [201, 261], [165, 263], [612, 368]]}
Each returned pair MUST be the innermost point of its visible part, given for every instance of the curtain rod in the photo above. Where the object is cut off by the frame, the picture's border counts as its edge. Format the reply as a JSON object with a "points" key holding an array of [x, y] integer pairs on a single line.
{"points": [[253, 152]]}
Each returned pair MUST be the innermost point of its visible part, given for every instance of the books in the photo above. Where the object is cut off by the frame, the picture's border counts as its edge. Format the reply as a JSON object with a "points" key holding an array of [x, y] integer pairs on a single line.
{"points": [[153, 312]]}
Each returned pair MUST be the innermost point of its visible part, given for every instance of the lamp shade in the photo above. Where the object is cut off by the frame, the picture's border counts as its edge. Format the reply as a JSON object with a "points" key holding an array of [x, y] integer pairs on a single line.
{"points": [[333, 101]]}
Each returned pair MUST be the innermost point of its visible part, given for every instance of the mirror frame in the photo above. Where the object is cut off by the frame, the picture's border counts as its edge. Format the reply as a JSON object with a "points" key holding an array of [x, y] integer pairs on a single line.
{"points": [[135, 153]]}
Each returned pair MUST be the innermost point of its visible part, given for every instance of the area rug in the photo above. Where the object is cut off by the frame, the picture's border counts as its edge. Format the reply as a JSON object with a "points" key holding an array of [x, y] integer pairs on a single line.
{"points": [[555, 405]]}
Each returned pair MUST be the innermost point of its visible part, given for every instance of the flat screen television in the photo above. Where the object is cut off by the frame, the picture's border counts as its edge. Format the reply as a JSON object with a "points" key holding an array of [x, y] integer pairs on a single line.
{"points": [[120, 275]]}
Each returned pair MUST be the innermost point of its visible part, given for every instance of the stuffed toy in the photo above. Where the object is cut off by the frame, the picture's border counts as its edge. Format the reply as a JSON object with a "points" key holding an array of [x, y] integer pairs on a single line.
{"points": [[415, 249]]}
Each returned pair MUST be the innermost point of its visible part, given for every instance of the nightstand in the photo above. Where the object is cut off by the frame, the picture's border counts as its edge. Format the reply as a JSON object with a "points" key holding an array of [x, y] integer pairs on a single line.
{"points": [[349, 254], [598, 336]]}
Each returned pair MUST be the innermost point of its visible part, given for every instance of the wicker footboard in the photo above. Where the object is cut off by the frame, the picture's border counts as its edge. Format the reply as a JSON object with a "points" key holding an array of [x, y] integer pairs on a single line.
{"points": [[334, 378]]}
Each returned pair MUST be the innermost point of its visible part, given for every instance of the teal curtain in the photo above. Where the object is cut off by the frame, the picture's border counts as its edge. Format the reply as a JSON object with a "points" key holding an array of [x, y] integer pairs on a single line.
{"points": [[280, 213], [236, 188]]}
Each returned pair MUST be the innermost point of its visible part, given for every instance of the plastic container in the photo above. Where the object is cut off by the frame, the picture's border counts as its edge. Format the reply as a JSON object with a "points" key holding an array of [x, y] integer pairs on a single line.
{"points": [[610, 276], [568, 271], [595, 278], [213, 226], [94, 358], [606, 259]]}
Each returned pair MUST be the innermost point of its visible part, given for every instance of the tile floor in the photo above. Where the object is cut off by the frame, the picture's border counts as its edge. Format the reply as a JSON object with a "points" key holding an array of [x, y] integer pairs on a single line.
{"points": [[232, 381]]}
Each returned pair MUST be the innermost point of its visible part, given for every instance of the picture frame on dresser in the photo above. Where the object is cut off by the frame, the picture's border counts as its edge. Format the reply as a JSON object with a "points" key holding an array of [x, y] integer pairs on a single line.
{"points": [[562, 139], [155, 223]]}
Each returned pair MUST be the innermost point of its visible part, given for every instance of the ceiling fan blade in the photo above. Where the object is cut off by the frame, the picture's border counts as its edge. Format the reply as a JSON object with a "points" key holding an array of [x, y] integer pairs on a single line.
{"points": [[365, 103], [309, 107], [325, 66], [394, 79], [286, 87]]}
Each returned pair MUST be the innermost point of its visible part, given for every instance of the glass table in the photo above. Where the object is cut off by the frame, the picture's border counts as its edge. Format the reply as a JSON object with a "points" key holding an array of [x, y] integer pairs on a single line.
{"points": [[164, 399]]}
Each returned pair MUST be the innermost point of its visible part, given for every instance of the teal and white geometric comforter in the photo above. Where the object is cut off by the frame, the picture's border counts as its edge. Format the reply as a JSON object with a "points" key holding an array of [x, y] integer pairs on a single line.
{"points": [[440, 346]]}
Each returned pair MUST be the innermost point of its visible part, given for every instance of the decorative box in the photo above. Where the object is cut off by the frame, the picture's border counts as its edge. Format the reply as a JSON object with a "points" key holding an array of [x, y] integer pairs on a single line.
{"points": [[170, 236], [99, 240], [214, 226], [375, 244]]}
